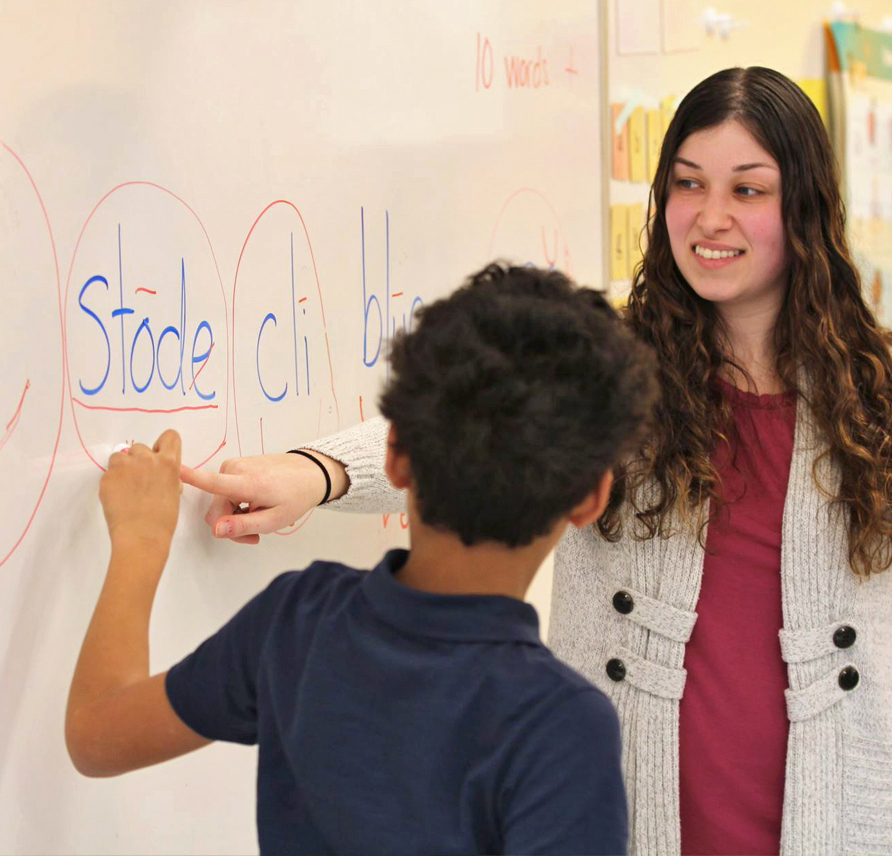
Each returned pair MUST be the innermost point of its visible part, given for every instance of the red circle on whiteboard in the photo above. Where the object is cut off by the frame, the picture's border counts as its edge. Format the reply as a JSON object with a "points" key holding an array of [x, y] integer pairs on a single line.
{"points": [[550, 259], [298, 525], [52, 459], [96, 207]]}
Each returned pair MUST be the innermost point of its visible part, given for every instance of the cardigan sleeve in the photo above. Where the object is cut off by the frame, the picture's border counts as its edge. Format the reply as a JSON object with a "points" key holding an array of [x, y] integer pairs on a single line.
{"points": [[361, 449]]}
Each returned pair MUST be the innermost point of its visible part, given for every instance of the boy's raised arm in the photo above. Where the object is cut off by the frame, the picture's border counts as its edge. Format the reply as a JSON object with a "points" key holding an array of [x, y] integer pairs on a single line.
{"points": [[118, 718]]}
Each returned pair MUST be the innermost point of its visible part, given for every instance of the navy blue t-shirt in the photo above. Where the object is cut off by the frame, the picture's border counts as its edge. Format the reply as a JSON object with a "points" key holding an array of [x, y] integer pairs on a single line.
{"points": [[395, 721]]}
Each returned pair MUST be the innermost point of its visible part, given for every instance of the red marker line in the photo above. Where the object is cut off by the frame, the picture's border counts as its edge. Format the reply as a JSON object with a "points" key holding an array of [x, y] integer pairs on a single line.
{"points": [[211, 351], [398, 294], [146, 290], [142, 409], [302, 300], [199, 466], [13, 423], [361, 417], [569, 69], [18, 410], [548, 259]]}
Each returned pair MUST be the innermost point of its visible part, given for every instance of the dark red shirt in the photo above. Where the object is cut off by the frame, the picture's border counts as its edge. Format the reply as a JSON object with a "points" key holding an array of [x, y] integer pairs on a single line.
{"points": [[733, 721]]}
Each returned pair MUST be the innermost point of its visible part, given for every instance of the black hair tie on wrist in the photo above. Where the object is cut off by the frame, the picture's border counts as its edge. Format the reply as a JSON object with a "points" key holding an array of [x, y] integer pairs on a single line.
{"points": [[321, 466]]}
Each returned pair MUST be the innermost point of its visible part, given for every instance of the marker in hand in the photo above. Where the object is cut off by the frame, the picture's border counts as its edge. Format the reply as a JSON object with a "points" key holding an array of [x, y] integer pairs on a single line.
{"points": [[125, 448]]}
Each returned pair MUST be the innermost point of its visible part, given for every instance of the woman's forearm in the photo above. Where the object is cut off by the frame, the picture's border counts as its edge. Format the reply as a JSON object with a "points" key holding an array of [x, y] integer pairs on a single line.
{"points": [[361, 451]]}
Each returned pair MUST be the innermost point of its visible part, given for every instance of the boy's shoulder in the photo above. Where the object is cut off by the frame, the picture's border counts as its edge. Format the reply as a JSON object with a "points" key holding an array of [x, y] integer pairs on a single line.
{"points": [[319, 580], [321, 573], [562, 683], [532, 692]]}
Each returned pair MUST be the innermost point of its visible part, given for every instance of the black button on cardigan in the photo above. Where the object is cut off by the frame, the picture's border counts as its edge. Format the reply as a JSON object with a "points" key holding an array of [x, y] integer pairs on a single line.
{"points": [[844, 637], [623, 602], [848, 678], [616, 669]]}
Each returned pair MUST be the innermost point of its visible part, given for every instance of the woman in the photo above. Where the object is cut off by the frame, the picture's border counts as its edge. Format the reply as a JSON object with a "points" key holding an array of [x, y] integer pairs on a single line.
{"points": [[731, 601]]}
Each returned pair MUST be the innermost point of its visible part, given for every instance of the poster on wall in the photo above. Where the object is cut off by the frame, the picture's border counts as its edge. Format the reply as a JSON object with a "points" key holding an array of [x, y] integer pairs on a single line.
{"points": [[860, 71]]}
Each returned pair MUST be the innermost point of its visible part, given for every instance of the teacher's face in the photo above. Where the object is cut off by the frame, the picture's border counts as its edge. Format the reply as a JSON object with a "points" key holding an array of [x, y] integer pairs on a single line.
{"points": [[724, 219]]}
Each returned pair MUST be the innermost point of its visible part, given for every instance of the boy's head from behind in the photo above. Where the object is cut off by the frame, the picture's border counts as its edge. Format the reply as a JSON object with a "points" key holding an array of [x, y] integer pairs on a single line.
{"points": [[511, 399]]}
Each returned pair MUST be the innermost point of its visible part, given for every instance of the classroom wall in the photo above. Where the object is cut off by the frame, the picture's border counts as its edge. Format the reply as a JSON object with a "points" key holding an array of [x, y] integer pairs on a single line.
{"points": [[657, 50]]}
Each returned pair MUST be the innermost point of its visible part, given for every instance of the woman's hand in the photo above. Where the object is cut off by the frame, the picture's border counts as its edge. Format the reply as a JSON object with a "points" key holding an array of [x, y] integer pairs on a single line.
{"points": [[278, 489]]}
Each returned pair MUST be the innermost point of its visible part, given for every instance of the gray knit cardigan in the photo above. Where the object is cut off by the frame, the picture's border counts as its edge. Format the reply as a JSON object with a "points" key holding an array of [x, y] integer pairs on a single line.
{"points": [[838, 791]]}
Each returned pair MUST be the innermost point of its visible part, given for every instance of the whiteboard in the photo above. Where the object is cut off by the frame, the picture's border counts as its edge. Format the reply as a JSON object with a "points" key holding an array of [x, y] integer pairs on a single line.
{"points": [[214, 216]]}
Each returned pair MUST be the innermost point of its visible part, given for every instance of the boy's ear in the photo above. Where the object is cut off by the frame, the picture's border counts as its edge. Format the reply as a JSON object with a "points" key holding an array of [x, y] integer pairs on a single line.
{"points": [[396, 464], [592, 507]]}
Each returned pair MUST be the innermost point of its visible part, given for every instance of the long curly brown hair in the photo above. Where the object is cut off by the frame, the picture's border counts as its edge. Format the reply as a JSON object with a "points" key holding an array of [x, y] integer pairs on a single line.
{"points": [[824, 327]]}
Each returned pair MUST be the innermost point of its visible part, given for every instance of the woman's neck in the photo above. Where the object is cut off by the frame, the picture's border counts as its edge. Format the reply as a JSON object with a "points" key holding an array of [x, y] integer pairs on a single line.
{"points": [[751, 345]]}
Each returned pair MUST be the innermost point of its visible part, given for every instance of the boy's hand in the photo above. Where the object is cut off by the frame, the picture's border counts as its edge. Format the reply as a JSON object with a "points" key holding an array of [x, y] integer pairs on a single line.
{"points": [[140, 493]]}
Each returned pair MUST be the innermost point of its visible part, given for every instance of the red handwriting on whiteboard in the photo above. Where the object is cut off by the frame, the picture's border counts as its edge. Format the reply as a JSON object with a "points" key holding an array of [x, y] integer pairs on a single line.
{"points": [[529, 231], [485, 63], [570, 68], [527, 72], [524, 67]]}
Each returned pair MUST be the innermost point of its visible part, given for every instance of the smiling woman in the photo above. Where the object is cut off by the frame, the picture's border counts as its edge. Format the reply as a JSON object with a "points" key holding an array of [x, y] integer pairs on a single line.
{"points": [[724, 214], [750, 297], [747, 166]]}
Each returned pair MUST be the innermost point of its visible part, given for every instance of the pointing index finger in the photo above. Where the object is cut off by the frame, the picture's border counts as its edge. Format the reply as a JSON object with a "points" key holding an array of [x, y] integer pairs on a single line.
{"points": [[218, 484]]}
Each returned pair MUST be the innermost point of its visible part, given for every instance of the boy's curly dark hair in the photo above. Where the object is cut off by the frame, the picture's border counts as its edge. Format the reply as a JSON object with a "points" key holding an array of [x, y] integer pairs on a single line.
{"points": [[511, 398]]}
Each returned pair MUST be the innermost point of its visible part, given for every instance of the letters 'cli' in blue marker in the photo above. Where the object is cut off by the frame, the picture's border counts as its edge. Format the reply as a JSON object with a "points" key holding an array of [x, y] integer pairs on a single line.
{"points": [[270, 317]]}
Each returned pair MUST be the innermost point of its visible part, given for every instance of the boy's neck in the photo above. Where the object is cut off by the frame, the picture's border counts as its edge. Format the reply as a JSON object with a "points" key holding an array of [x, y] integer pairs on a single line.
{"points": [[441, 564]]}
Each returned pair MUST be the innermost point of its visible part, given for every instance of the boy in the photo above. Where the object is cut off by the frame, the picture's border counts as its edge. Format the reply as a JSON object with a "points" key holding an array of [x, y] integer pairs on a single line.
{"points": [[412, 709]]}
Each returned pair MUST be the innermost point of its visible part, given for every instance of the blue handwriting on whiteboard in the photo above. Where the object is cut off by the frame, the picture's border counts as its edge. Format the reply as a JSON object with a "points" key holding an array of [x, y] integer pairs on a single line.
{"points": [[144, 339], [384, 332], [271, 318]]}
